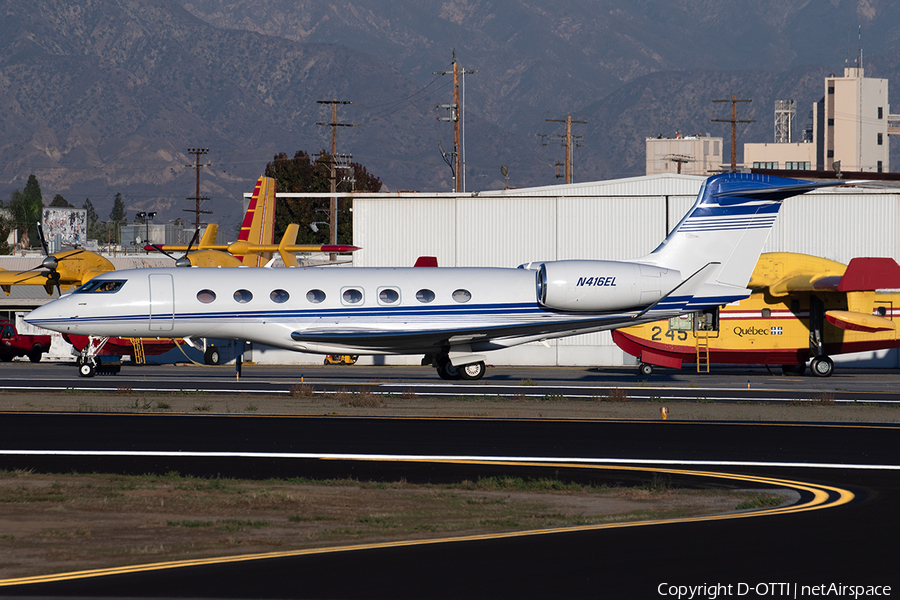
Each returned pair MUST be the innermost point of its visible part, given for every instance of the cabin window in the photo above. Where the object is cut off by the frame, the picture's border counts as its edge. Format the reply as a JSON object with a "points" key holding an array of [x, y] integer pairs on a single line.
{"points": [[279, 296], [102, 286], [315, 296], [206, 296], [388, 296], [766, 313], [351, 296], [462, 295], [425, 296], [243, 296], [881, 311]]}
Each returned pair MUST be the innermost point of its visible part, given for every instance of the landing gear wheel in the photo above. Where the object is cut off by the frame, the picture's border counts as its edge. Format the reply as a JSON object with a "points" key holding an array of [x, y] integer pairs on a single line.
{"points": [[211, 356], [446, 370], [645, 369], [86, 369], [794, 369], [822, 367], [472, 371]]}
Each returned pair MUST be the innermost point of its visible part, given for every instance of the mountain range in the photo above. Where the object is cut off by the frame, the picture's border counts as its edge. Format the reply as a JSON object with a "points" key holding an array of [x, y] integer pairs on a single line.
{"points": [[107, 96]]}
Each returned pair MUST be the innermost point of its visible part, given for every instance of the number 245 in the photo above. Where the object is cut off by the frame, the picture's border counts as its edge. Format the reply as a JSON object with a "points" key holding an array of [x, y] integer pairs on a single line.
{"points": [[672, 335]]}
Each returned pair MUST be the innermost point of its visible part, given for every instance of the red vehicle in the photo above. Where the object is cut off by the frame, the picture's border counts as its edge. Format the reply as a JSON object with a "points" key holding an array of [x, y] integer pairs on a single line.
{"points": [[13, 343]]}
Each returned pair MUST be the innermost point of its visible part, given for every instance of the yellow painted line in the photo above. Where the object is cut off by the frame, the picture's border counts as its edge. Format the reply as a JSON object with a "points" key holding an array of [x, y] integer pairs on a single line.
{"points": [[823, 497]]}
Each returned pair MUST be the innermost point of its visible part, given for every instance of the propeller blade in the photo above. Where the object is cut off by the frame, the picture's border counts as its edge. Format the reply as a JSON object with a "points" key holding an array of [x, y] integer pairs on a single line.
{"points": [[193, 241], [43, 241], [185, 261], [158, 249]]}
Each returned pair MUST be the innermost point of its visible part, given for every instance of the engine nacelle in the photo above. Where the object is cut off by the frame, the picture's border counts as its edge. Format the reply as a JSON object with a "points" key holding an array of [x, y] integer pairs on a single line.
{"points": [[599, 285]]}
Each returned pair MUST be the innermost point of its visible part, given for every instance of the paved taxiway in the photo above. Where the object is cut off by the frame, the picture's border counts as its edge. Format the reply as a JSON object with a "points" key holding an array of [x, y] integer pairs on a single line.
{"points": [[723, 384], [846, 476]]}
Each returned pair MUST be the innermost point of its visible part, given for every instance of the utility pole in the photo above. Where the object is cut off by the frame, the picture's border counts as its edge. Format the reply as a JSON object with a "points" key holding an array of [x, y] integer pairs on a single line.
{"points": [[198, 152], [679, 159], [333, 207], [455, 113], [567, 142], [734, 121]]}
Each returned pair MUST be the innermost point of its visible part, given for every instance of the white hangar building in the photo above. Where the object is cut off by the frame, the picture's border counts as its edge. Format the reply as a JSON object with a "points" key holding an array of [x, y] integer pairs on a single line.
{"points": [[617, 219]]}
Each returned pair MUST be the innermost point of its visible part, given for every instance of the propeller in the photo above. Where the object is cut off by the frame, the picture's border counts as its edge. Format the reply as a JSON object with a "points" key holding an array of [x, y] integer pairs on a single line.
{"points": [[50, 262], [184, 260]]}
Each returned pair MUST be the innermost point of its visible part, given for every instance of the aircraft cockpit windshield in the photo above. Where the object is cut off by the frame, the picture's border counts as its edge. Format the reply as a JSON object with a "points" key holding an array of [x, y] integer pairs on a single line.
{"points": [[101, 286]]}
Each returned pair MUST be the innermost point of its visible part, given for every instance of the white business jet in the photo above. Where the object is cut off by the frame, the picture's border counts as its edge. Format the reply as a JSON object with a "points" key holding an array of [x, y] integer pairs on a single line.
{"points": [[453, 316]]}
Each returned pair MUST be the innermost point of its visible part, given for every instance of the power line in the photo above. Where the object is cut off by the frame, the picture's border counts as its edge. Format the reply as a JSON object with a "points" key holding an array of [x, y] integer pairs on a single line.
{"points": [[734, 121], [567, 142], [198, 152]]}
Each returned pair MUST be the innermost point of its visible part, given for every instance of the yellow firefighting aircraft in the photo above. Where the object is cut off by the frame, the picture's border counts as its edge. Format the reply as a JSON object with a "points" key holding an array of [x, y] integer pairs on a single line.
{"points": [[254, 247], [802, 307]]}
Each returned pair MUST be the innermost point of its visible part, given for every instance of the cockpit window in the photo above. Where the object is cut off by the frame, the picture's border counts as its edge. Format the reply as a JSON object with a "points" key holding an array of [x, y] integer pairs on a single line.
{"points": [[101, 286]]}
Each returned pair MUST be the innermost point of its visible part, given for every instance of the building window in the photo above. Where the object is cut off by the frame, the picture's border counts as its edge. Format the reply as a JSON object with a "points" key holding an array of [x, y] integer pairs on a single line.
{"points": [[797, 165], [831, 122], [831, 154], [880, 112], [880, 139], [879, 166], [765, 165], [830, 89]]}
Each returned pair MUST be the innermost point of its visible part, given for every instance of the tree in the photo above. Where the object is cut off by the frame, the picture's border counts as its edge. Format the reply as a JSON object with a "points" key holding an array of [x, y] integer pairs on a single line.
{"points": [[95, 229], [26, 210], [4, 233], [117, 216], [300, 174], [60, 202]]}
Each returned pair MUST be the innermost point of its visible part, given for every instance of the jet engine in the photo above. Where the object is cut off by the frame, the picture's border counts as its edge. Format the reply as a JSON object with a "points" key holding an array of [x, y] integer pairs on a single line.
{"points": [[598, 285]]}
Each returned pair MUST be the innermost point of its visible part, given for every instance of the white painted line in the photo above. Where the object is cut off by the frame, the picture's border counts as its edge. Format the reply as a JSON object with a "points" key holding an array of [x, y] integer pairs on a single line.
{"points": [[444, 458]]}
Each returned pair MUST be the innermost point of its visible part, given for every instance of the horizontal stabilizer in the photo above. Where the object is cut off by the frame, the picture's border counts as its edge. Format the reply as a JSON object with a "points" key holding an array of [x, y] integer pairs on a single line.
{"points": [[777, 192], [854, 321], [868, 274]]}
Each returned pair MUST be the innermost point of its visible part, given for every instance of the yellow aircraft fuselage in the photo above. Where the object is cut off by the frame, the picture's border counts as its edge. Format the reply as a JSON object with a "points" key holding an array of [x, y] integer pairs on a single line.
{"points": [[794, 298]]}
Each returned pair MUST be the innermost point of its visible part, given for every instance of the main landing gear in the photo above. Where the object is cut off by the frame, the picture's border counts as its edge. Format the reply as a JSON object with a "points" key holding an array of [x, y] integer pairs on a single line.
{"points": [[822, 366], [447, 371]]}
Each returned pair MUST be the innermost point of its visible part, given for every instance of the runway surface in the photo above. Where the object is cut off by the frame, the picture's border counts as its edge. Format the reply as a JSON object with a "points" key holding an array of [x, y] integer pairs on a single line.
{"points": [[723, 384], [844, 532]]}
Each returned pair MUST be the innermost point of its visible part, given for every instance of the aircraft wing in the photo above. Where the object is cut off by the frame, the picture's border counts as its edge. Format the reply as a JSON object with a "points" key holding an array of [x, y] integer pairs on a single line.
{"points": [[433, 340], [24, 277]]}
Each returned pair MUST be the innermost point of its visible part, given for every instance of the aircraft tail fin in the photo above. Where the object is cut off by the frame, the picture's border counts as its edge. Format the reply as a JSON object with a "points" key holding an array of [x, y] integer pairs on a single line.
{"points": [[289, 239], [728, 224], [258, 227], [209, 237]]}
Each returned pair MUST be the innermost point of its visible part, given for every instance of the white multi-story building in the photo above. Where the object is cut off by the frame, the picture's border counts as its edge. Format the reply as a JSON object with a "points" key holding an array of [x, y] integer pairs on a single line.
{"points": [[850, 130], [685, 155]]}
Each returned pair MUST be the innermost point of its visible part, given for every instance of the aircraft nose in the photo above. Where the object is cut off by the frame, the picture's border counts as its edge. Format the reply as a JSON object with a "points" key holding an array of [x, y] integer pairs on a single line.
{"points": [[48, 316]]}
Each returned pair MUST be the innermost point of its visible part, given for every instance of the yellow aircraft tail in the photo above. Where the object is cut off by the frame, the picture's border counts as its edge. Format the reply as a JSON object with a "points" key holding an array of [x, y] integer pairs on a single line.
{"points": [[258, 228]]}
